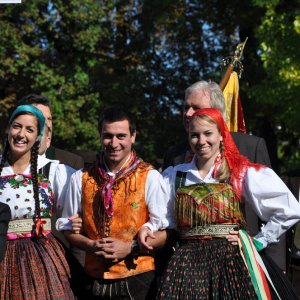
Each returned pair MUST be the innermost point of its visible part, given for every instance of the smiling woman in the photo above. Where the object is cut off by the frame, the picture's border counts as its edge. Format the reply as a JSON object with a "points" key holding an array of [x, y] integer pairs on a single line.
{"points": [[205, 140], [22, 134], [34, 266], [215, 257]]}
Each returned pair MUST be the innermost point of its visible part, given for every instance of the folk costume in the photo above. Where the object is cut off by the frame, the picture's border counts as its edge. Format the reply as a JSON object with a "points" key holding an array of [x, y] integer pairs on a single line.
{"points": [[206, 265], [34, 266], [115, 205]]}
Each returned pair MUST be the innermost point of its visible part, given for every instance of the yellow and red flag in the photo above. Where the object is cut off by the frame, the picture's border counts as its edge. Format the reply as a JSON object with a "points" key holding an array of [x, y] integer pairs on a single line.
{"points": [[234, 111]]}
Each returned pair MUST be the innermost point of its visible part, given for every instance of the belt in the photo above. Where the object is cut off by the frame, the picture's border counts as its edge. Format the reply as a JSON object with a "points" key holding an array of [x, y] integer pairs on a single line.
{"points": [[213, 230], [26, 225]]}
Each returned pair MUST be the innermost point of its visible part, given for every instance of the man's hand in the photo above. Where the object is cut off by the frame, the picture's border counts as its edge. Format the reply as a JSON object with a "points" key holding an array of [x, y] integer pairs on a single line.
{"points": [[109, 249], [113, 249], [76, 224]]}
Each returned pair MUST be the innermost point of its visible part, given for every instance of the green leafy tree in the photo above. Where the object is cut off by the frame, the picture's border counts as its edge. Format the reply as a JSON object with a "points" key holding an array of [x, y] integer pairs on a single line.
{"points": [[279, 41], [87, 55], [50, 48]]}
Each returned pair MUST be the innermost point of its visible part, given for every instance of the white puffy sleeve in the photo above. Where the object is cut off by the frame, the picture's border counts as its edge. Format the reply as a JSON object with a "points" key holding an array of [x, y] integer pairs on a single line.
{"points": [[72, 202], [169, 176], [61, 178], [156, 200], [273, 203]]}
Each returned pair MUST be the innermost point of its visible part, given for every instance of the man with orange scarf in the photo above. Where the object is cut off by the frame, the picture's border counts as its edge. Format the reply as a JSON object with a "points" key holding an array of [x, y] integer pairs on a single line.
{"points": [[115, 197]]}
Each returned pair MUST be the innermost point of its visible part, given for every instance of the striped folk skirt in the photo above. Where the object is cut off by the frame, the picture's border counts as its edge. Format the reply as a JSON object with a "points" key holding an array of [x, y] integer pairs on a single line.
{"points": [[34, 270], [206, 269]]}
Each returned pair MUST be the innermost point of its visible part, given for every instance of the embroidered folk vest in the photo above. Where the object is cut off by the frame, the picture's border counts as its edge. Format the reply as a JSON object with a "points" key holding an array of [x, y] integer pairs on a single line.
{"points": [[201, 208], [130, 213]]}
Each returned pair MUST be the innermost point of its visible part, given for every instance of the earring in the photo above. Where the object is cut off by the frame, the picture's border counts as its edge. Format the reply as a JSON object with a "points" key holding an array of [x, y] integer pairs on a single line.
{"points": [[221, 146]]}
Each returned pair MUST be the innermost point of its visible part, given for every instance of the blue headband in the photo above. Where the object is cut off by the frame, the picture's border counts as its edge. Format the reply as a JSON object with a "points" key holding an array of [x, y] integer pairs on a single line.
{"points": [[33, 110]]}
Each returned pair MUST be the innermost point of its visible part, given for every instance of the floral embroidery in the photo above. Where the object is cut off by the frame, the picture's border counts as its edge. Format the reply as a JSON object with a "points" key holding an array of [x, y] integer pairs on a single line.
{"points": [[3, 182], [44, 184], [16, 182], [11, 179]]}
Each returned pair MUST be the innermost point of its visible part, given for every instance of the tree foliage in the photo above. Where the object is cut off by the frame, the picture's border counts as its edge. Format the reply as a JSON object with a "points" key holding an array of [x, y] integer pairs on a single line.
{"points": [[142, 54], [279, 40]]}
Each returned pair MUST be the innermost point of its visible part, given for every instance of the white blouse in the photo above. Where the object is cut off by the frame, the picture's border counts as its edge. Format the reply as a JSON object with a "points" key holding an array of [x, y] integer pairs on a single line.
{"points": [[20, 197], [263, 190]]}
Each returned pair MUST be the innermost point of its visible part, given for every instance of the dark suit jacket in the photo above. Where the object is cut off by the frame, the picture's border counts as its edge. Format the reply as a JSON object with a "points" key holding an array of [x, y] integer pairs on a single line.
{"points": [[65, 157], [255, 149], [252, 147]]}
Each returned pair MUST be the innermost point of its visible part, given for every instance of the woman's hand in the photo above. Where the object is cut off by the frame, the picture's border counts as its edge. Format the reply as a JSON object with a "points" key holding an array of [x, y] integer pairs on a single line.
{"points": [[233, 237], [76, 224], [144, 234]]}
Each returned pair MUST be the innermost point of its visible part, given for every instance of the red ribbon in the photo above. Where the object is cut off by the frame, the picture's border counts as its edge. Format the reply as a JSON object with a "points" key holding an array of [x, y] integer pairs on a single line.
{"points": [[39, 227], [218, 162]]}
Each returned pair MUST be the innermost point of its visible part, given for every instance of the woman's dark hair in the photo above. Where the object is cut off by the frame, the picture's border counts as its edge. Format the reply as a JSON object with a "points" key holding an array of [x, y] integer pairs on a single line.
{"points": [[33, 168], [34, 177]]}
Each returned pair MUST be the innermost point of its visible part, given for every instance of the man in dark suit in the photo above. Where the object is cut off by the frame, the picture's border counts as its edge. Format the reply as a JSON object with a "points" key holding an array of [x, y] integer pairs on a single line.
{"points": [[203, 94]]}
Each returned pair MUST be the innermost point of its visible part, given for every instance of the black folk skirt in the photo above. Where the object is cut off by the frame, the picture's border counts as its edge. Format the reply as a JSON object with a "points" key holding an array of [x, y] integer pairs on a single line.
{"points": [[206, 269]]}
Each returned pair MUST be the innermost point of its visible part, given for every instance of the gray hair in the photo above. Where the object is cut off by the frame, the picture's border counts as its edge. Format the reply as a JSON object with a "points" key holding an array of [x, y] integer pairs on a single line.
{"points": [[213, 89]]}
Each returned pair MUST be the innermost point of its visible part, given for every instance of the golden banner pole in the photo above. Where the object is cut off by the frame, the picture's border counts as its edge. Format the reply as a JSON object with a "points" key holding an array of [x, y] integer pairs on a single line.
{"points": [[233, 62]]}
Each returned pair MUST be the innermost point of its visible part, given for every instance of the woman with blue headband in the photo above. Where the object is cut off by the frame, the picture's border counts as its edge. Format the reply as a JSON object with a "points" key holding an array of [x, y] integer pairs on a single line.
{"points": [[34, 266]]}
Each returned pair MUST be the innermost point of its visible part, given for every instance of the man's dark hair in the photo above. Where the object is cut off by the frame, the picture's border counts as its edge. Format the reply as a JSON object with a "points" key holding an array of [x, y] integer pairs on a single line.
{"points": [[115, 114], [33, 98]]}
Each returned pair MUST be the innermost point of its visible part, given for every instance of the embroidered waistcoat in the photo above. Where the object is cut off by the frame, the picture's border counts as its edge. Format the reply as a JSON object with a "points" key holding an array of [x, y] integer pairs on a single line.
{"points": [[130, 213], [204, 205]]}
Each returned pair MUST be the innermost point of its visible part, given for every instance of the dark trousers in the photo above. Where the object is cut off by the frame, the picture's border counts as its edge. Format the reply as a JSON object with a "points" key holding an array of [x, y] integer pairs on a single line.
{"points": [[138, 287]]}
